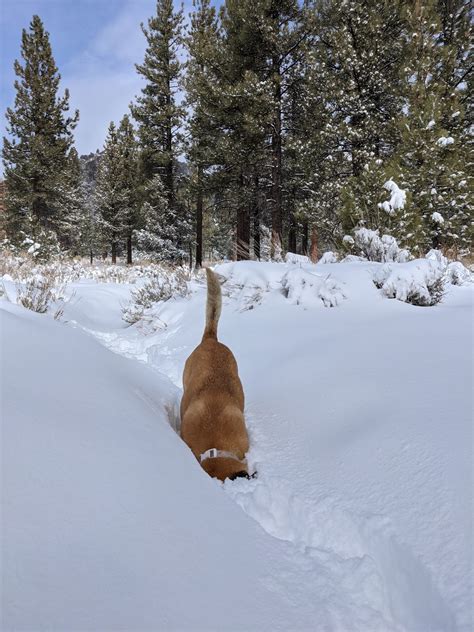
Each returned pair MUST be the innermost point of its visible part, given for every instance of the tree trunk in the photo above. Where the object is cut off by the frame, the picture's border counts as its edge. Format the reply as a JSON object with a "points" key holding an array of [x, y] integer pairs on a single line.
{"points": [[199, 204], [277, 214], [313, 252], [243, 226], [243, 234], [357, 146], [169, 149], [304, 238], [114, 252], [292, 233], [91, 256], [256, 221], [129, 249]]}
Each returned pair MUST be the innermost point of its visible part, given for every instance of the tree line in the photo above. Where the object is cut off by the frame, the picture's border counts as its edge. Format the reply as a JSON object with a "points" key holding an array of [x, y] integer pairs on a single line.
{"points": [[261, 126]]}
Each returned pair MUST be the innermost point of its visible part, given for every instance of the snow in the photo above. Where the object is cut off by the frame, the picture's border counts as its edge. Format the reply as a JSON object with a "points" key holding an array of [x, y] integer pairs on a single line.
{"points": [[375, 248], [360, 427], [397, 198], [444, 141], [437, 218], [331, 257], [420, 282], [291, 257], [437, 255], [306, 288]]}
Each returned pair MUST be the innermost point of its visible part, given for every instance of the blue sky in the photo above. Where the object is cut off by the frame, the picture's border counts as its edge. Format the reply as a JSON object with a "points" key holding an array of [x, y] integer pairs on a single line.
{"points": [[95, 44]]}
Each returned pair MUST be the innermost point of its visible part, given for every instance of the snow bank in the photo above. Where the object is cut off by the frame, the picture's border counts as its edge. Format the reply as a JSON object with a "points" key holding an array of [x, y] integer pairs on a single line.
{"points": [[291, 257], [331, 257], [109, 522], [255, 274], [361, 432]]}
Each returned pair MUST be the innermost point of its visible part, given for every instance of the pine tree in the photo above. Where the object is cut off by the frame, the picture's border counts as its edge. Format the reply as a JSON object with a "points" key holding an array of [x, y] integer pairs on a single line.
{"points": [[284, 34], [202, 45], [165, 232], [71, 205], [354, 95], [36, 154], [243, 111], [156, 111], [111, 194], [130, 180], [259, 45], [432, 158]]}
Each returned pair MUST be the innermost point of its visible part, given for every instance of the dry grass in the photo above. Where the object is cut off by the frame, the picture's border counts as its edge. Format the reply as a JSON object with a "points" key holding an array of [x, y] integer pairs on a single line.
{"points": [[43, 292], [163, 283]]}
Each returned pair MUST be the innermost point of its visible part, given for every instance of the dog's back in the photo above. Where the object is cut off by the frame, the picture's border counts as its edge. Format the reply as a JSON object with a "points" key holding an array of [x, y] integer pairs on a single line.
{"points": [[213, 400]]}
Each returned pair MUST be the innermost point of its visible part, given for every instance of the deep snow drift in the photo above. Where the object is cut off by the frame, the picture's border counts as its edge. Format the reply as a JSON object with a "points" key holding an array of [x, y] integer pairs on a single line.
{"points": [[358, 408]]}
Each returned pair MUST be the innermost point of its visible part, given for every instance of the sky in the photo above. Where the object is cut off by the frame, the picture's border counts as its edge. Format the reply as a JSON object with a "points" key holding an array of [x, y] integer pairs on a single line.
{"points": [[95, 45]]}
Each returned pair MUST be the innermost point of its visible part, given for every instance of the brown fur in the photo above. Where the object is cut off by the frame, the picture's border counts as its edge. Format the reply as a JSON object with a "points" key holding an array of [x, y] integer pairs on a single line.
{"points": [[212, 407]]}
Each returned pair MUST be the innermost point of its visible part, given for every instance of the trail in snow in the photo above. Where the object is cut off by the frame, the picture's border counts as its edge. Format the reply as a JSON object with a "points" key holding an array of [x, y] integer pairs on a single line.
{"points": [[293, 364]]}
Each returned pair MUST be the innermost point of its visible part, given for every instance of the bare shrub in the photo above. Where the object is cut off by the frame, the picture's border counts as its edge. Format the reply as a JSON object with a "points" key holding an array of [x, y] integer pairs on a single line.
{"points": [[41, 291], [163, 284], [15, 266]]}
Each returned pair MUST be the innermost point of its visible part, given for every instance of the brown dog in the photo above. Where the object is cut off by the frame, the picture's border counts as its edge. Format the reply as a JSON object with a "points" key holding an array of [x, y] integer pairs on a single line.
{"points": [[212, 408]]}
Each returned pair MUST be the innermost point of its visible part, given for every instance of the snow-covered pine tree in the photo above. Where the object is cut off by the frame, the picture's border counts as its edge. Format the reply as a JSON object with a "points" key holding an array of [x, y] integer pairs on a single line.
{"points": [[158, 115], [202, 45], [165, 233], [40, 136], [357, 89], [130, 180], [90, 234], [243, 111], [284, 33], [71, 205], [432, 159], [111, 194], [260, 43]]}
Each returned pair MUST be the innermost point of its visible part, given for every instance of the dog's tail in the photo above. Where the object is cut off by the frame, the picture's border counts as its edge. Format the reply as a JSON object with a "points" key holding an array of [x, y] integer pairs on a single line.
{"points": [[214, 304]]}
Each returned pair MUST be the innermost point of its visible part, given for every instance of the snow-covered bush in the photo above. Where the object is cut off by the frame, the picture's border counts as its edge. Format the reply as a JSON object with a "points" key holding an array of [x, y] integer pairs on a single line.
{"points": [[43, 291], [307, 289], [420, 282], [370, 245], [437, 255], [329, 257], [457, 274], [43, 247], [161, 285], [292, 257], [353, 259], [348, 241]]}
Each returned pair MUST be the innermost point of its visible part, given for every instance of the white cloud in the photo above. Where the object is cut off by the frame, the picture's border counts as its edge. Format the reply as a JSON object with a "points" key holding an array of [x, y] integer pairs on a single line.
{"points": [[102, 80], [100, 100]]}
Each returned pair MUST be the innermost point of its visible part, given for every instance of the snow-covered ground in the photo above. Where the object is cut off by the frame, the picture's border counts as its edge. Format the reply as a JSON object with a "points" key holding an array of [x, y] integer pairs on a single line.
{"points": [[359, 412]]}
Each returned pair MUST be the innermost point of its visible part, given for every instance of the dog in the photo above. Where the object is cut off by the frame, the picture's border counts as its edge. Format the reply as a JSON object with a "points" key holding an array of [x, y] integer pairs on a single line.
{"points": [[212, 406]]}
